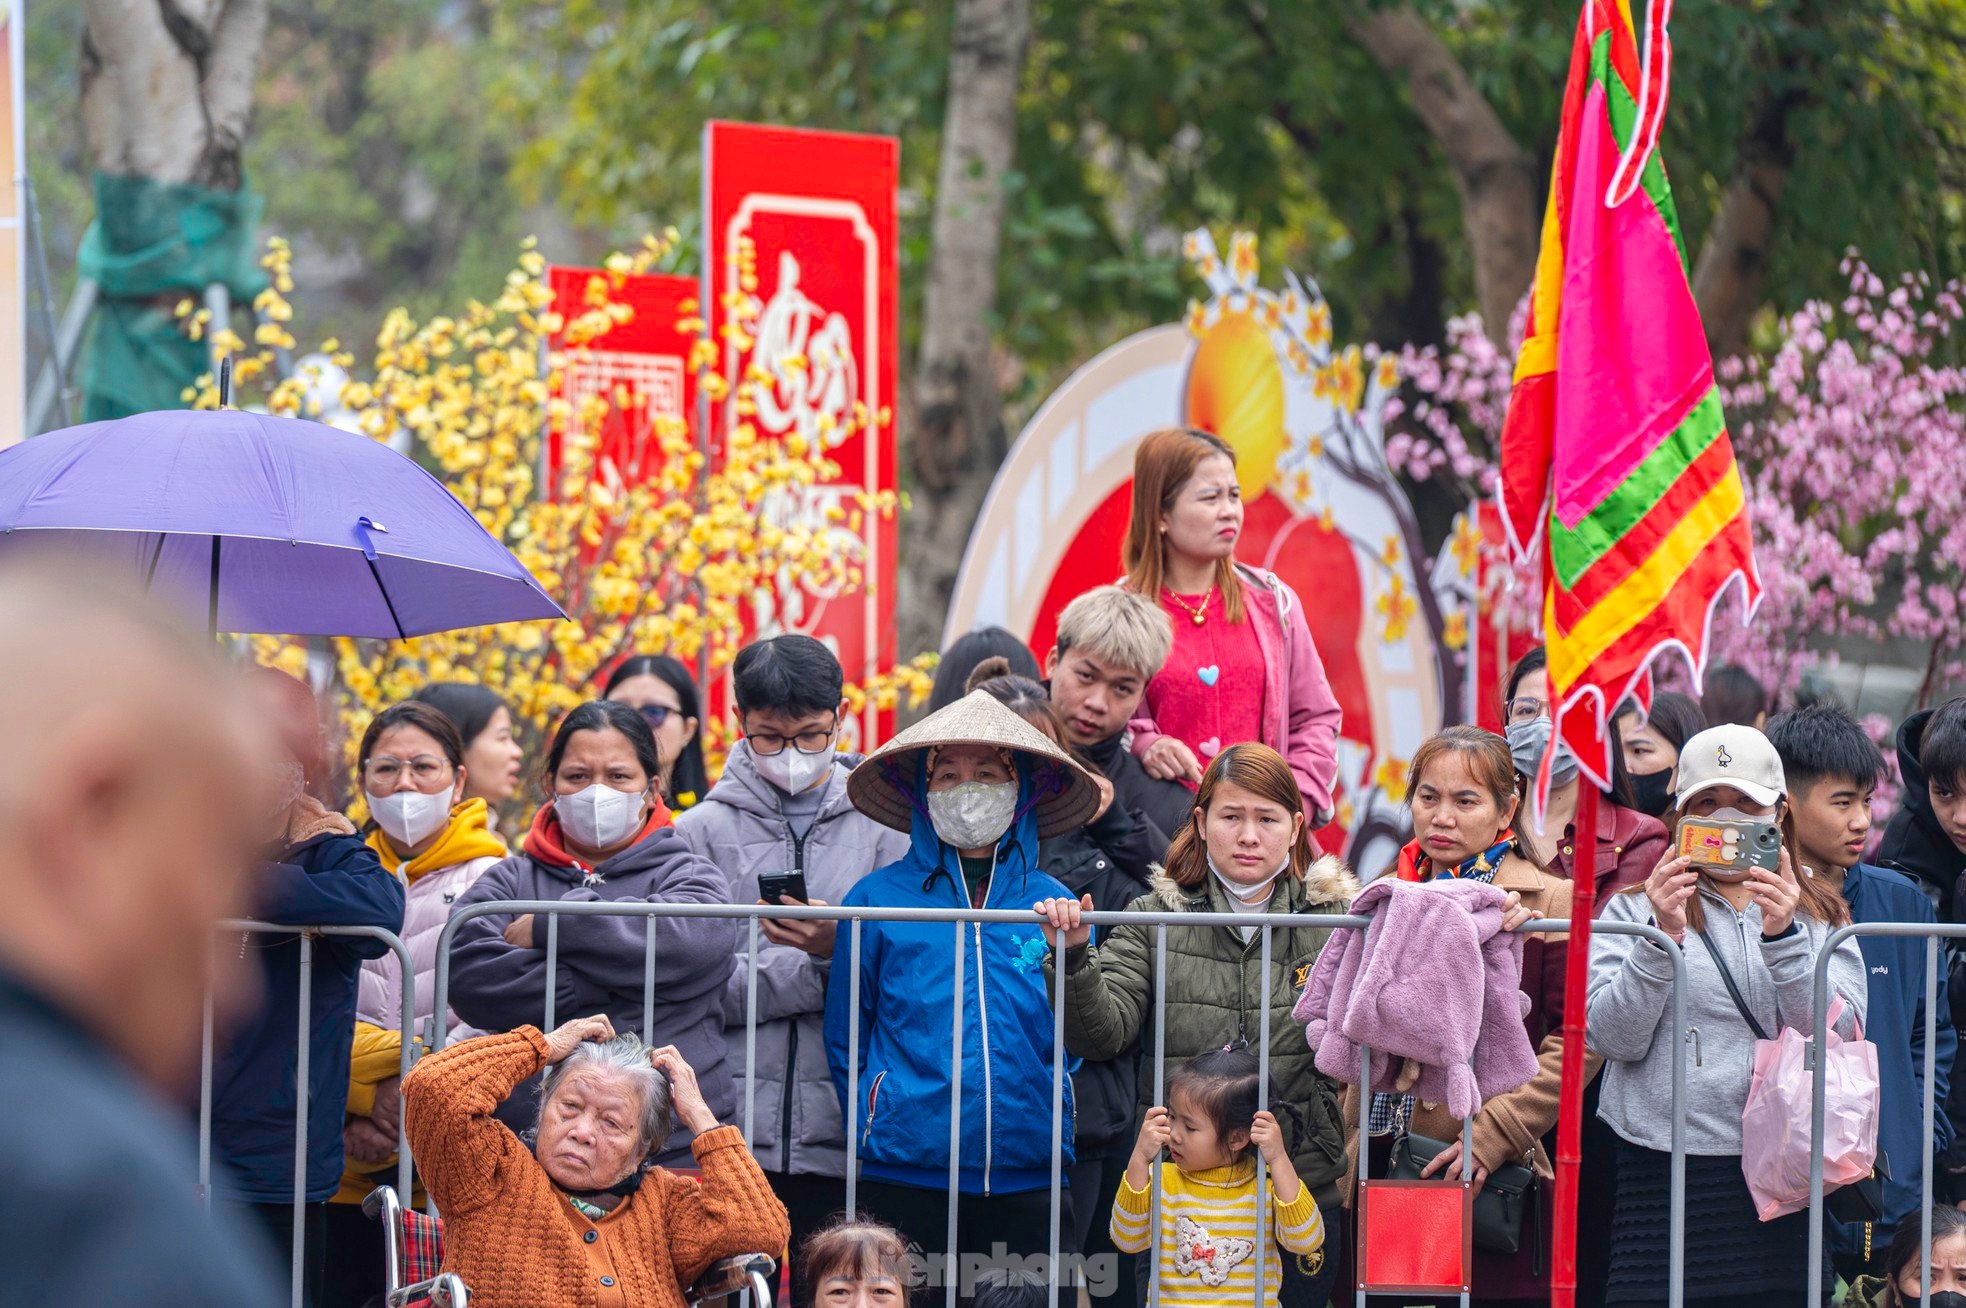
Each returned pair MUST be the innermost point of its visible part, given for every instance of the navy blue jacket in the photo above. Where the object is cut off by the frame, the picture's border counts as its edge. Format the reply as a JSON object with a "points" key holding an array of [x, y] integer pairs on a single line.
{"points": [[100, 1201], [1896, 1025], [328, 881], [907, 1017]]}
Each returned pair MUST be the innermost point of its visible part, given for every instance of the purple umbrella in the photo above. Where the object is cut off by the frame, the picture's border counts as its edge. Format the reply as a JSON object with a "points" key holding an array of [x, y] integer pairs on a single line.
{"points": [[269, 524]]}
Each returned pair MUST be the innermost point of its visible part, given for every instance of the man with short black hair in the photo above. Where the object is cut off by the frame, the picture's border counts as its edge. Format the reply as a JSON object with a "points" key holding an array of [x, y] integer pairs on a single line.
{"points": [[1832, 768], [781, 807], [1926, 841]]}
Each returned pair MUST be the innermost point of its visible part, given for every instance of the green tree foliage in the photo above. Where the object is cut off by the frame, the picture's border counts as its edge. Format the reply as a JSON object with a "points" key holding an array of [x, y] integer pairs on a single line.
{"points": [[410, 143], [1143, 119]]}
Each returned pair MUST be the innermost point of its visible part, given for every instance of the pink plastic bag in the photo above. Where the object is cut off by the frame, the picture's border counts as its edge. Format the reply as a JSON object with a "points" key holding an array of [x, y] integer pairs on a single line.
{"points": [[1775, 1125]]}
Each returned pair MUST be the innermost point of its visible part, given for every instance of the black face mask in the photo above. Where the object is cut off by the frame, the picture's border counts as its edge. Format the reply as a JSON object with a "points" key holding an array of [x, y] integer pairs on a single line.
{"points": [[1943, 1299], [1654, 793]]}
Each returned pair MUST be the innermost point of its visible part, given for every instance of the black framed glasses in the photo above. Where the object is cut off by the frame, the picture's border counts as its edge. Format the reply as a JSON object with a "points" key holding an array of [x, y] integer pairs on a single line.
{"points": [[765, 744], [657, 714]]}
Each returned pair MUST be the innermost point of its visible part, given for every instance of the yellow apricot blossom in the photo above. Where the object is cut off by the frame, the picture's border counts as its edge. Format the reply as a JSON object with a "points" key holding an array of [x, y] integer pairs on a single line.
{"points": [[672, 563]]}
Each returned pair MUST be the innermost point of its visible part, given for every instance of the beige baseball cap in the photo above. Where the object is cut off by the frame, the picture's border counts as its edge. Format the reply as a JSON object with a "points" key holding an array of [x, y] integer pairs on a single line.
{"points": [[1735, 756]]}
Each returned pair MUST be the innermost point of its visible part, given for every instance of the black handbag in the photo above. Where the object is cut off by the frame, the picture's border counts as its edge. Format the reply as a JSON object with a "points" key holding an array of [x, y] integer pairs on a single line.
{"points": [[1861, 1201], [1509, 1199]]}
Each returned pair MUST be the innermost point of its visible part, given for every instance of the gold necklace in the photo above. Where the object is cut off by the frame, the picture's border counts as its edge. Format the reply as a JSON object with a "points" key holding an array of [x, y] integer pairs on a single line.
{"points": [[1198, 615]]}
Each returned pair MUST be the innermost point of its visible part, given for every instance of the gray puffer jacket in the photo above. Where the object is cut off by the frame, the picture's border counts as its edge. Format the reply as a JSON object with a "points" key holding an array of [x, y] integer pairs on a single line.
{"points": [[1631, 1016], [740, 827]]}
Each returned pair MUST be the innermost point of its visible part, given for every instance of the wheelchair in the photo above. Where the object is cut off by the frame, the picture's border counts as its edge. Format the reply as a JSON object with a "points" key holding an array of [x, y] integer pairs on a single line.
{"points": [[413, 1245]]}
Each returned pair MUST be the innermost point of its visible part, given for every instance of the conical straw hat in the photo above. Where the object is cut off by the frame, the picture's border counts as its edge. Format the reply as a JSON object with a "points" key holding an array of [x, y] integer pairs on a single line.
{"points": [[882, 786]]}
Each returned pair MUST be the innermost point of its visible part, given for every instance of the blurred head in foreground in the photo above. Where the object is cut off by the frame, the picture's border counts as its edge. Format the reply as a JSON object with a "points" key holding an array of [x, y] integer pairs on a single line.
{"points": [[134, 797]]}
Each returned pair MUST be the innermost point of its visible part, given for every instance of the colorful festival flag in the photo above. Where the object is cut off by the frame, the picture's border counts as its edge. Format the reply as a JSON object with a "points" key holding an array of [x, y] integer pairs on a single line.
{"points": [[1617, 472]]}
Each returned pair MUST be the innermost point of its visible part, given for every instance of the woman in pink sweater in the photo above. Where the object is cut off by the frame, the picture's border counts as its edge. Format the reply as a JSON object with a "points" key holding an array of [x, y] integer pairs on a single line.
{"points": [[1243, 667]]}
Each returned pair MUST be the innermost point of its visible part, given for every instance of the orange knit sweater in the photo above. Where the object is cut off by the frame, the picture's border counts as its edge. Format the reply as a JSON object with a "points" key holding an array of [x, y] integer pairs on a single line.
{"points": [[512, 1234]]}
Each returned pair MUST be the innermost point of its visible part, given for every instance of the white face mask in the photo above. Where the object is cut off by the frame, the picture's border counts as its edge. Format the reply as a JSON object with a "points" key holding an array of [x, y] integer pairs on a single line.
{"points": [[599, 817], [791, 771], [409, 817], [973, 814], [1248, 894]]}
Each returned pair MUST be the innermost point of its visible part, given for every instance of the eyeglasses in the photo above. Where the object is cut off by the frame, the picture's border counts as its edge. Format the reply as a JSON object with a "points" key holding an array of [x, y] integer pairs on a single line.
{"points": [[425, 770], [657, 714], [807, 742], [1526, 708]]}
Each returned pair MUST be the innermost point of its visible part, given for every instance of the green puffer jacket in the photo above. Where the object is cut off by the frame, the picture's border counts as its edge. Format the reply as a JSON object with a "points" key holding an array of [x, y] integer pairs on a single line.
{"points": [[1866, 1292], [1214, 996]]}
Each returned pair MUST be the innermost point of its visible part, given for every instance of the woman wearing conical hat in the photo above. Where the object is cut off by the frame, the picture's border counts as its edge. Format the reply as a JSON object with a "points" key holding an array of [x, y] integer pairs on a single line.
{"points": [[976, 788]]}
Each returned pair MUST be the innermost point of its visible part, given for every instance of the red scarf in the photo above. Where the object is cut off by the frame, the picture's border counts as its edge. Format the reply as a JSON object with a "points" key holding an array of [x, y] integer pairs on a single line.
{"points": [[547, 842]]}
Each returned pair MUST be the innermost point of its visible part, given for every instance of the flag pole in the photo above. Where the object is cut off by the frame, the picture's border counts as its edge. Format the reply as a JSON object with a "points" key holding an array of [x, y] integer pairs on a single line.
{"points": [[1570, 1094]]}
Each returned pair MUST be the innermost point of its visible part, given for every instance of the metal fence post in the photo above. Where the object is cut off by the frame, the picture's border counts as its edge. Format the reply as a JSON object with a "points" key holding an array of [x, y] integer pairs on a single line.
{"points": [[552, 967], [853, 1070], [953, 1261], [1160, 1097], [205, 1100], [1931, 1088], [1057, 1110], [1263, 1106], [302, 1047], [1932, 933]]}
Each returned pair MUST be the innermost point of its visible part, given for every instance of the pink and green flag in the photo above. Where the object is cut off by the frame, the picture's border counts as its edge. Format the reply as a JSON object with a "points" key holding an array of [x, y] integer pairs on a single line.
{"points": [[1617, 471]]}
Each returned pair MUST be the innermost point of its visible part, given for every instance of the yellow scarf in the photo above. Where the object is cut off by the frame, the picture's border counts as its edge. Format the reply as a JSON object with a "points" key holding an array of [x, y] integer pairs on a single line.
{"points": [[468, 835]]}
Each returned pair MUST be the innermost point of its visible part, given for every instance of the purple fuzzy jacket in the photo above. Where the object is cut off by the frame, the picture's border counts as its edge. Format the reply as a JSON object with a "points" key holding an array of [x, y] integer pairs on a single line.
{"points": [[1433, 979]]}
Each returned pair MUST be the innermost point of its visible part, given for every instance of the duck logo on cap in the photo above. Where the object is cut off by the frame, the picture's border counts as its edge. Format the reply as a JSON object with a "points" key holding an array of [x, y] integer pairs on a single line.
{"points": [[1722, 757]]}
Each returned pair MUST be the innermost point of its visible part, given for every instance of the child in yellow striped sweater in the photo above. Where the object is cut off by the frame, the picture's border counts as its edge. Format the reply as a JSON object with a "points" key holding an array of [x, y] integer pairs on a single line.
{"points": [[1212, 1234]]}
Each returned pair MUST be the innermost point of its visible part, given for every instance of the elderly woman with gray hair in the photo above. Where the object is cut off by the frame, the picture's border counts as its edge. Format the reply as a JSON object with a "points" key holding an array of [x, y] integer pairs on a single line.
{"points": [[581, 1216]]}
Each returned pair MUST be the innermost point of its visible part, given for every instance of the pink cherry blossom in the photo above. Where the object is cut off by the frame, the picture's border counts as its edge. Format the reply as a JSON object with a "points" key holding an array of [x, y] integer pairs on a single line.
{"points": [[1851, 437]]}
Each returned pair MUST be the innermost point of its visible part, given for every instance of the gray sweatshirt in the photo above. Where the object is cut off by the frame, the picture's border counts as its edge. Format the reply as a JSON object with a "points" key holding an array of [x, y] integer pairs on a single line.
{"points": [[1630, 1020]]}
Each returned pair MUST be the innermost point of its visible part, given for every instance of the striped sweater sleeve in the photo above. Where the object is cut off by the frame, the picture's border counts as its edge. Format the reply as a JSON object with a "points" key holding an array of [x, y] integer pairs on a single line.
{"points": [[1132, 1211], [1300, 1226]]}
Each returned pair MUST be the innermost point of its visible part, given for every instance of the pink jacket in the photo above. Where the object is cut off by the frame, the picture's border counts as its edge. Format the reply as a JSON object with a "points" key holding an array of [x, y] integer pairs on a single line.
{"points": [[1303, 713]]}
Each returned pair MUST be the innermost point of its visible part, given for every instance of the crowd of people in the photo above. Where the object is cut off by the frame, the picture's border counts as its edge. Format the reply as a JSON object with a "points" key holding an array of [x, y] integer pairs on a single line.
{"points": [[1171, 754]]}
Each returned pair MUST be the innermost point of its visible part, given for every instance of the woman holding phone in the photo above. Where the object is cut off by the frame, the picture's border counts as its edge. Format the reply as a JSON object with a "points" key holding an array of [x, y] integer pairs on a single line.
{"points": [[1751, 936]]}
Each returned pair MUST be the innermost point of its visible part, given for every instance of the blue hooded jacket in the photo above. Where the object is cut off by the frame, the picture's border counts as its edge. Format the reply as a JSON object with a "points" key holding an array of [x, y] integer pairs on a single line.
{"points": [[332, 880], [1896, 1025], [907, 1018]]}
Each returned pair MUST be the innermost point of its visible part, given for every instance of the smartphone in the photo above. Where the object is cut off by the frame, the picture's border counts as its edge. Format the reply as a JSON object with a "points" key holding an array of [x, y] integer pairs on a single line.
{"points": [[772, 885], [1730, 845]]}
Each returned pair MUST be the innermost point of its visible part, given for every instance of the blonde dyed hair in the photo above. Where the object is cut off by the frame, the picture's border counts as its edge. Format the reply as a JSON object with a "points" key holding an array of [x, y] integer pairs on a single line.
{"points": [[1118, 627]]}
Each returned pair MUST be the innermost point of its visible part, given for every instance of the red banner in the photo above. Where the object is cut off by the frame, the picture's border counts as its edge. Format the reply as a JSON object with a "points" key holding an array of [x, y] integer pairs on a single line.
{"points": [[819, 212], [639, 367]]}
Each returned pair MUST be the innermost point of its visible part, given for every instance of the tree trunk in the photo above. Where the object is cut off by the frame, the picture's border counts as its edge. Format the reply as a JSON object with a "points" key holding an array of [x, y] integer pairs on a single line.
{"points": [[958, 441], [1497, 179], [1733, 262], [167, 87]]}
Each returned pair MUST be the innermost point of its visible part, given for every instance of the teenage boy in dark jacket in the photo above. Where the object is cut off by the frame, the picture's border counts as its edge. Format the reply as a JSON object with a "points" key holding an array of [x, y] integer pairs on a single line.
{"points": [[1832, 768], [1110, 643], [1926, 841]]}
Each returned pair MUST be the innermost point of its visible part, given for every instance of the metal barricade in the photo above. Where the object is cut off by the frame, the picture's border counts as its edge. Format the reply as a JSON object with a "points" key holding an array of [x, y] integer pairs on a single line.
{"points": [[307, 935], [961, 919], [1932, 933]]}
